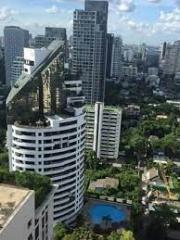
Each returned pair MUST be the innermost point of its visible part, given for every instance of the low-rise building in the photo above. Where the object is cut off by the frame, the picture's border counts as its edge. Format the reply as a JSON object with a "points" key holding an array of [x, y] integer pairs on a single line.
{"points": [[106, 183], [132, 110]]}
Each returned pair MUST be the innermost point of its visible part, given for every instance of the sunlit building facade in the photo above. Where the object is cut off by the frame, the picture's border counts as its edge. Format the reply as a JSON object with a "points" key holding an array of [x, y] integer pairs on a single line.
{"points": [[46, 127]]}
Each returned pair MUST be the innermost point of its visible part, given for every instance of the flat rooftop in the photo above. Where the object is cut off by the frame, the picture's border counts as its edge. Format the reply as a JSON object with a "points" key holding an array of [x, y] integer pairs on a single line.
{"points": [[10, 198]]}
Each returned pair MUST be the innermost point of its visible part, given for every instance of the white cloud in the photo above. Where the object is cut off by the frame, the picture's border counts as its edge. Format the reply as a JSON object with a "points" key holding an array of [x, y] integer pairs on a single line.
{"points": [[53, 9], [125, 5], [6, 13]]}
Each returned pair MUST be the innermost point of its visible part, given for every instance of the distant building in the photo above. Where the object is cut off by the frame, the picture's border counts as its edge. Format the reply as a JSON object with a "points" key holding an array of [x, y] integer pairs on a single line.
{"points": [[89, 48], [129, 71], [132, 110], [128, 54], [2, 66], [153, 71], [39, 41], [51, 34], [15, 39], [17, 68], [19, 220], [103, 130], [110, 38], [163, 51], [171, 64], [116, 64]]}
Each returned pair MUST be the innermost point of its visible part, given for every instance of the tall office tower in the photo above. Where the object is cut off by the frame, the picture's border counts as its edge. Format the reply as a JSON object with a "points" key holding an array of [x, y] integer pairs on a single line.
{"points": [[116, 64], [17, 68], [1, 41], [27, 37], [171, 64], [163, 51], [2, 66], [39, 41], [103, 130], [46, 126], [52, 33], [110, 38], [15, 39], [89, 48]]}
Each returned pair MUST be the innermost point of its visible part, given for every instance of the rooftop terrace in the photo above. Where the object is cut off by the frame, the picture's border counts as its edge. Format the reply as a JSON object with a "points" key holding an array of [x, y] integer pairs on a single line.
{"points": [[10, 198]]}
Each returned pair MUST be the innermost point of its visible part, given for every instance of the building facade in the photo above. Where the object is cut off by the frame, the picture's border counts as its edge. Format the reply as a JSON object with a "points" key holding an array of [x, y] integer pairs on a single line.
{"points": [[90, 48], [21, 221], [17, 68], [116, 64], [48, 136], [15, 39], [103, 130], [110, 38], [171, 63]]}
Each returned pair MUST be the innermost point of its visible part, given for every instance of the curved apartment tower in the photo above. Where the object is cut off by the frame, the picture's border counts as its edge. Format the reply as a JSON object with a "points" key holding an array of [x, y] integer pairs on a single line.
{"points": [[46, 127]]}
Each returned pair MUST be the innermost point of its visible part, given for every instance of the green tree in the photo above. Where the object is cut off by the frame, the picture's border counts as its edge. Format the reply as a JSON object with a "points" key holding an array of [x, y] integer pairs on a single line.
{"points": [[91, 160], [4, 160], [123, 235], [59, 231], [155, 230], [165, 215]]}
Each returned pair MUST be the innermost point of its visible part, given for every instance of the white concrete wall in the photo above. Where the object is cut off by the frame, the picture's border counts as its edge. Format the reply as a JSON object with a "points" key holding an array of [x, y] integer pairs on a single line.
{"points": [[17, 226], [35, 55], [57, 155]]}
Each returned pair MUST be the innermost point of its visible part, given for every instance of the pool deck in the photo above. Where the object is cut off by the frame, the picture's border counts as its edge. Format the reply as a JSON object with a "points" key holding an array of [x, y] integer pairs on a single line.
{"points": [[92, 201]]}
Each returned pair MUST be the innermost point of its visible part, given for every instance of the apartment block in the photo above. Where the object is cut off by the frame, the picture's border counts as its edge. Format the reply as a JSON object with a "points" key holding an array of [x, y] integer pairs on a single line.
{"points": [[103, 130]]}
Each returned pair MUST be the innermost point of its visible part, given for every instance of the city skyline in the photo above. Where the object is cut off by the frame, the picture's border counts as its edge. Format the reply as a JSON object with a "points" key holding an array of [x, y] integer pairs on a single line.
{"points": [[137, 21]]}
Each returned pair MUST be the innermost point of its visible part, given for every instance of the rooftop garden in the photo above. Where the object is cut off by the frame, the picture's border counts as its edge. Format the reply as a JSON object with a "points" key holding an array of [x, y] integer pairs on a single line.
{"points": [[40, 184]]}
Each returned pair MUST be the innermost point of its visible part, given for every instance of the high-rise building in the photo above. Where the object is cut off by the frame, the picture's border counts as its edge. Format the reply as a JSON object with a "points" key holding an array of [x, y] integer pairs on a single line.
{"points": [[46, 127], [163, 51], [51, 34], [39, 41], [129, 71], [17, 68], [103, 130], [15, 38], [89, 48], [116, 64], [171, 64], [110, 38], [19, 217], [2, 66], [27, 38]]}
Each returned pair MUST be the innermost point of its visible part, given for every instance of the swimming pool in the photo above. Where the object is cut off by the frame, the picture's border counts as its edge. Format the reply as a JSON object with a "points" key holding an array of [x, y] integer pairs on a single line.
{"points": [[99, 212]]}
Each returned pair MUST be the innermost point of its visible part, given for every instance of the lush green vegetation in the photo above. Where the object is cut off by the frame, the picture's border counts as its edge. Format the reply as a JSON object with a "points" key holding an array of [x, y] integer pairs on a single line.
{"points": [[129, 182], [153, 134], [4, 161], [40, 184], [62, 233], [160, 220]]}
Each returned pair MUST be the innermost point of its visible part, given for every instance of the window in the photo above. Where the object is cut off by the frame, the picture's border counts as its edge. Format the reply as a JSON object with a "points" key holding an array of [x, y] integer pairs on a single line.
{"points": [[37, 232], [30, 237], [29, 224]]}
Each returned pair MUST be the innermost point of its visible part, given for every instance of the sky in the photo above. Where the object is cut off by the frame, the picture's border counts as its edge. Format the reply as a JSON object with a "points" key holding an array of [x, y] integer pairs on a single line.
{"points": [[136, 21]]}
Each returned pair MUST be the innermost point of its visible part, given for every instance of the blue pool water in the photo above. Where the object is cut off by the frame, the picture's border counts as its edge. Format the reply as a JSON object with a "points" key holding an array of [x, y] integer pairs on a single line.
{"points": [[98, 211]]}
